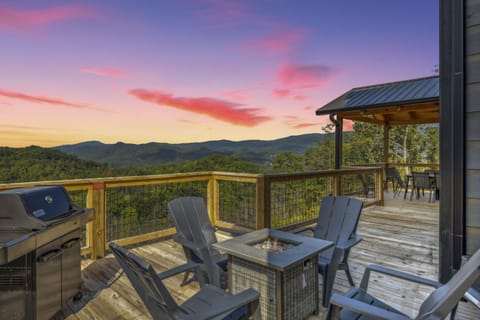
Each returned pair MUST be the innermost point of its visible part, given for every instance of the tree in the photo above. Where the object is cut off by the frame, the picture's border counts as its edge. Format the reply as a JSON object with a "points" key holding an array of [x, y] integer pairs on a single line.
{"points": [[364, 145], [287, 162], [322, 156]]}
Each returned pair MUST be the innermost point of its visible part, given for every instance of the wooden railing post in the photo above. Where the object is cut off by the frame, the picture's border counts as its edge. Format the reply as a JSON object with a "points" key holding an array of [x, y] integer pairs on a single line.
{"points": [[96, 200], [89, 226], [379, 186], [264, 218], [213, 199]]}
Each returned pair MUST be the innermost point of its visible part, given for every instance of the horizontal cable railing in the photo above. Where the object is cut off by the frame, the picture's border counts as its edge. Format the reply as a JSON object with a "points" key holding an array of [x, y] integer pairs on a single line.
{"points": [[134, 209]]}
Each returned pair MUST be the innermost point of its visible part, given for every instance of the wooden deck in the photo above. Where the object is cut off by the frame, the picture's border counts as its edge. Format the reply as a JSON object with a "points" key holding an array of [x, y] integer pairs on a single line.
{"points": [[403, 234]]}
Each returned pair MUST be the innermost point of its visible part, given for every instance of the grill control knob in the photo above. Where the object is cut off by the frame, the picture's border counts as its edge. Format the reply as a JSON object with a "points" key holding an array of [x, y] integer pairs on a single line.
{"points": [[48, 199]]}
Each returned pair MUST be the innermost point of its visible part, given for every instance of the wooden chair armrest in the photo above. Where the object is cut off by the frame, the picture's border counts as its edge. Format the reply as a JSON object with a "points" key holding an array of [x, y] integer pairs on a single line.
{"points": [[302, 229], [359, 307], [396, 274], [189, 266], [349, 243]]}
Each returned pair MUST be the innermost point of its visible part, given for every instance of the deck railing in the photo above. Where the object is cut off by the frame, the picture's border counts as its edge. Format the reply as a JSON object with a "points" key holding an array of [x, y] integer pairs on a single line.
{"points": [[133, 209]]}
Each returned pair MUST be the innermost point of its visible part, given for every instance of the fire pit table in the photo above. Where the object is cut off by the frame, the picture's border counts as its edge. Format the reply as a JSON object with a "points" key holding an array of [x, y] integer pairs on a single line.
{"points": [[281, 266]]}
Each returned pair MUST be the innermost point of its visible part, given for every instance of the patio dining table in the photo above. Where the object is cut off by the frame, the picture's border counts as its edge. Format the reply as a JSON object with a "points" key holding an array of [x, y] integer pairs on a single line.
{"points": [[408, 177]]}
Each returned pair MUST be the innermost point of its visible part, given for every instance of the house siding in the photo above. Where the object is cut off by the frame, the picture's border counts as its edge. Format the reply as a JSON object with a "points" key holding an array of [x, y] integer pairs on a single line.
{"points": [[472, 128]]}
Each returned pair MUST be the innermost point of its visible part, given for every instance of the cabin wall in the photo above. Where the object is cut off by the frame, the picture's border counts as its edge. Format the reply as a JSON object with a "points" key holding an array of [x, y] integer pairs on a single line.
{"points": [[472, 124]]}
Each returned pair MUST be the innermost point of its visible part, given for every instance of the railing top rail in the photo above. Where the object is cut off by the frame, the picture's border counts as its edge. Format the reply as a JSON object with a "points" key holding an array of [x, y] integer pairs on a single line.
{"points": [[322, 173], [187, 176], [111, 180]]}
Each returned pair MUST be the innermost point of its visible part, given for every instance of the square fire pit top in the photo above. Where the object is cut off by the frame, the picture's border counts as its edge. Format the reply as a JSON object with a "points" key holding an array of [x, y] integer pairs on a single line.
{"points": [[298, 247]]}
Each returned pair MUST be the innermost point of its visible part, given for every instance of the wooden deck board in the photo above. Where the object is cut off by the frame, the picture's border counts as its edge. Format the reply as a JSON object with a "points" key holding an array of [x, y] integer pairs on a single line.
{"points": [[403, 235]]}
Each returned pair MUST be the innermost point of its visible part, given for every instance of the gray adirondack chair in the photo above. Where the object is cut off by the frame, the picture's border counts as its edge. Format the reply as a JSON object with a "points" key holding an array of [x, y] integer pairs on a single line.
{"points": [[196, 235], [337, 221], [210, 302], [389, 177], [358, 304]]}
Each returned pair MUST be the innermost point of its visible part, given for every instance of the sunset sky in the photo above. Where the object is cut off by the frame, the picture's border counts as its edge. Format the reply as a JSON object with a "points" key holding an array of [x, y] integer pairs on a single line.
{"points": [[196, 70]]}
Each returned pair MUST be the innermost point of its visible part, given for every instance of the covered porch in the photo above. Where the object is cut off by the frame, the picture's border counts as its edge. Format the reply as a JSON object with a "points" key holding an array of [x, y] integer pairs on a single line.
{"points": [[389, 239]]}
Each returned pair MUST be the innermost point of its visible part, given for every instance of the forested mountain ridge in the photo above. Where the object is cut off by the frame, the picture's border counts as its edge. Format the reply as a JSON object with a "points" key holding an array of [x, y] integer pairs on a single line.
{"points": [[151, 154], [35, 163], [408, 144], [40, 164]]}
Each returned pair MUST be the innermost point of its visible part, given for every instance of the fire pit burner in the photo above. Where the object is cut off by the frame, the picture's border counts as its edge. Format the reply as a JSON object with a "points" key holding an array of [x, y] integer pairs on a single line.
{"points": [[274, 245]]}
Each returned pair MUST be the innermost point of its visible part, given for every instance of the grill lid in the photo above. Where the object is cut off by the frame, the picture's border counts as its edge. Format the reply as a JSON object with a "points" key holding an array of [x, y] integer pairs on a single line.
{"points": [[34, 208]]}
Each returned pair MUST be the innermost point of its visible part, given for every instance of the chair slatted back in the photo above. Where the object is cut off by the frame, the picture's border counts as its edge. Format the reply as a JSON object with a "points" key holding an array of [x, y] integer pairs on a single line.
{"points": [[147, 284], [191, 220], [444, 299], [337, 219], [390, 173], [421, 180], [398, 178]]}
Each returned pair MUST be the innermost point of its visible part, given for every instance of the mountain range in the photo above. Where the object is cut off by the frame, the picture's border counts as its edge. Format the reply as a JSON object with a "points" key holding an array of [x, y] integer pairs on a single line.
{"points": [[157, 153]]}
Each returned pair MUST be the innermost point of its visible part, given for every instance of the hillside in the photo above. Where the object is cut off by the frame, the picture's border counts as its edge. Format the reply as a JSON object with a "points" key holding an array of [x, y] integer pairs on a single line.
{"points": [[40, 164], [151, 154]]}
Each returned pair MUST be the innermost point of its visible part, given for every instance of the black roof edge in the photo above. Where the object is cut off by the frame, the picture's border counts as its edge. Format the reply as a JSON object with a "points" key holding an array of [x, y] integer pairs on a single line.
{"points": [[380, 105], [394, 82]]}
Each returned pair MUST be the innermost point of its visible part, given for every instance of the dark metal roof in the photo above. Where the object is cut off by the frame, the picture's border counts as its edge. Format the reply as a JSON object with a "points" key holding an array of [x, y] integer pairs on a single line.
{"points": [[387, 94]]}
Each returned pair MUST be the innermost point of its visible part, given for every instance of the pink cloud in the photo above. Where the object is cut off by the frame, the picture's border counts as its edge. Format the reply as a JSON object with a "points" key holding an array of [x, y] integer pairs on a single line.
{"points": [[237, 95], [305, 76], [294, 122], [40, 99], [300, 98], [12, 19], [277, 43], [281, 93], [215, 108], [288, 93], [104, 71], [305, 125]]}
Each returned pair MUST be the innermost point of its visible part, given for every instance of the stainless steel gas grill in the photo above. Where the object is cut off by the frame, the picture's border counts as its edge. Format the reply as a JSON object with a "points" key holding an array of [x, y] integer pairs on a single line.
{"points": [[39, 251]]}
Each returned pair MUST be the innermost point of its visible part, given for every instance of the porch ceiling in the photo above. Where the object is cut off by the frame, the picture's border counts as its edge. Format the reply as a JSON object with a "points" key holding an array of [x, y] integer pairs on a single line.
{"points": [[413, 101]]}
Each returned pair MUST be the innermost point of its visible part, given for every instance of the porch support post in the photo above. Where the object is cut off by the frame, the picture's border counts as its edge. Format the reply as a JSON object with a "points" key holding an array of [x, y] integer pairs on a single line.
{"points": [[452, 126], [386, 143], [338, 122]]}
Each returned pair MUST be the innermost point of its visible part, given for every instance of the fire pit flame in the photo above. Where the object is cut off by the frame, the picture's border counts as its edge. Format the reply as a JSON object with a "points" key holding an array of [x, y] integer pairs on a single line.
{"points": [[274, 245]]}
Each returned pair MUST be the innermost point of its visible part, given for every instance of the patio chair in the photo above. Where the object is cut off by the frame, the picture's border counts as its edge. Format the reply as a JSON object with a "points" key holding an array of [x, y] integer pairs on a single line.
{"points": [[337, 221], [358, 304], [398, 184], [422, 181], [196, 235], [389, 173], [210, 302]]}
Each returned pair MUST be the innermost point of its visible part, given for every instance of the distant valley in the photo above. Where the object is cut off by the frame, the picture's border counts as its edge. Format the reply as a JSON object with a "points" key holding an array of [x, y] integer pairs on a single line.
{"points": [[150, 154]]}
